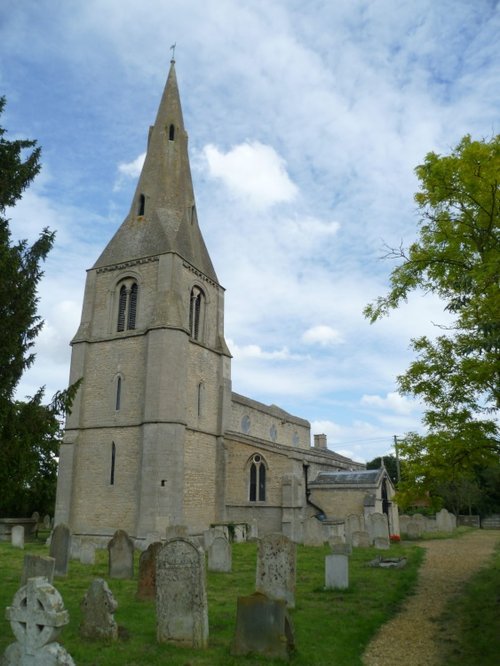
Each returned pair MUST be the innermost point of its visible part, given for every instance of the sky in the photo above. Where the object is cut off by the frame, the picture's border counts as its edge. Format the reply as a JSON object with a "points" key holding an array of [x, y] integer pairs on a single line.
{"points": [[306, 120]]}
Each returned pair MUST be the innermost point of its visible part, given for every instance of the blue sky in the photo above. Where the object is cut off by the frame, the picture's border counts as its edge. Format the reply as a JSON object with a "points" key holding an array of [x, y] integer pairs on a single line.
{"points": [[306, 121]]}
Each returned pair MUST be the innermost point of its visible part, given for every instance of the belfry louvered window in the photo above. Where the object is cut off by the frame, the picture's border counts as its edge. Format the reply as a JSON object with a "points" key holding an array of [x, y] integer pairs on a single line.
{"points": [[196, 313], [127, 306]]}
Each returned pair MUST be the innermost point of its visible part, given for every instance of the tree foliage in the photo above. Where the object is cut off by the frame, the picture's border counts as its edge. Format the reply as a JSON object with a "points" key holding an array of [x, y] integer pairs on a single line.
{"points": [[29, 431], [457, 257], [389, 462]]}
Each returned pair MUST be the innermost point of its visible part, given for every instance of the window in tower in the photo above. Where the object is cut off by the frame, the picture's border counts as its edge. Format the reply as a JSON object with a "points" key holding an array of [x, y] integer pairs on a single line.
{"points": [[201, 398], [118, 394], [127, 305], [171, 133], [113, 461], [196, 313], [257, 479], [142, 205]]}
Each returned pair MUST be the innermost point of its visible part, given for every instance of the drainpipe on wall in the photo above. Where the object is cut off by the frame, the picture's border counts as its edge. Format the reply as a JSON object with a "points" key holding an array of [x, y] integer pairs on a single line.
{"points": [[321, 515]]}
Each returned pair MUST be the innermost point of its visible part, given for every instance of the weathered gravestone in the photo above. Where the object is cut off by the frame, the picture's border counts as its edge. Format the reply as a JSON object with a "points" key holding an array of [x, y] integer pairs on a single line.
{"points": [[87, 552], [381, 543], [146, 584], [47, 522], [35, 516], [413, 530], [210, 534], [445, 521], [263, 627], [353, 523], [60, 544], [360, 539], [98, 607], [36, 617], [174, 531], [377, 526], [220, 555], [276, 568], [336, 571], [404, 519], [35, 566], [181, 596], [17, 536], [121, 556]]}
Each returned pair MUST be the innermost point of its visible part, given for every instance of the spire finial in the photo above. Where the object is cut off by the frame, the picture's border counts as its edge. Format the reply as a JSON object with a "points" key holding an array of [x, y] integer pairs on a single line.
{"points": [[172, 48]]}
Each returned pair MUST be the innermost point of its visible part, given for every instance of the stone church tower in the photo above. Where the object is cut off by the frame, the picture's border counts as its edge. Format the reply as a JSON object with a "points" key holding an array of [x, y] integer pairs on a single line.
{"points": [[143, 446]]}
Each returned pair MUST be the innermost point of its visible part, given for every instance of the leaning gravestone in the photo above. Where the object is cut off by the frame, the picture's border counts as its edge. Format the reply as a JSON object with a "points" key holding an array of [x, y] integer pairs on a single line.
{"points": [[121, 556], [276, 568], [263, 627], [146, 584], [360, 539], [98, 607], [36, 566], [220, 555], [17, 536], [181, 595], [36, 617], [60, 544], [337, 571]]}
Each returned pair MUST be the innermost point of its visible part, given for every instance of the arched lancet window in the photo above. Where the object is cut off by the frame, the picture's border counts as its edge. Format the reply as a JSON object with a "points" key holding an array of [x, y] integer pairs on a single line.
{"points": [[257, 486], [127, 305], [113, 461], [142, 205], [118, 394], [196, 312], [171, 133]]}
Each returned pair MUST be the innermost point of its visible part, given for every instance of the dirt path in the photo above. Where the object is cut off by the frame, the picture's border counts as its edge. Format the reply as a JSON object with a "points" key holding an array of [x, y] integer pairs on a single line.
{"points": [[412, 636]]}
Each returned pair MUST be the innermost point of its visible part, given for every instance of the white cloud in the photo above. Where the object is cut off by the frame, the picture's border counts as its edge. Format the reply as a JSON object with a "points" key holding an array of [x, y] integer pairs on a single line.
{"points": [[393, 401], [322, 335], [252, 171], [255, 352], [129, 170]]}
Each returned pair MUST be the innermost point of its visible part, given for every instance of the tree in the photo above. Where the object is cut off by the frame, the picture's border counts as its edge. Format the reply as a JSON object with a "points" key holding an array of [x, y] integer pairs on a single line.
{"points": [[389, 462], [29, 431], [457, 257]]}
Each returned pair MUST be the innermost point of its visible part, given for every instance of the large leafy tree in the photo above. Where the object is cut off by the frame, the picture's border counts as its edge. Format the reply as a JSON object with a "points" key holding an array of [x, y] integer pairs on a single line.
{"points": [[457, 257], [29, 431]]}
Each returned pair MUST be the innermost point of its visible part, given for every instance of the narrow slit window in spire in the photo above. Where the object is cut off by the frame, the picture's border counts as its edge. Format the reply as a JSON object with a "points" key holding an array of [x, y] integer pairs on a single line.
{"points": [[171, 133], [142, 205]]}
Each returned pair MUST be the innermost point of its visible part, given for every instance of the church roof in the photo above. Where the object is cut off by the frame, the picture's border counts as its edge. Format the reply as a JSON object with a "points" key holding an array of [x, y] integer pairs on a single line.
{"points": [[362, 477], [162, 217]]}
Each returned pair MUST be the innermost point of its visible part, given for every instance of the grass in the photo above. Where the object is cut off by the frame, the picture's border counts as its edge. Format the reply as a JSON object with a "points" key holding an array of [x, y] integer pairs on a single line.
{"points": [[475, 618], [331, 627]]}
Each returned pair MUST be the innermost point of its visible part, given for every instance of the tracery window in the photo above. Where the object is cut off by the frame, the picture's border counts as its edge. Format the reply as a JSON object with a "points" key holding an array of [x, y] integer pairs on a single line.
{"points": [[127, 306], [257, 485]]}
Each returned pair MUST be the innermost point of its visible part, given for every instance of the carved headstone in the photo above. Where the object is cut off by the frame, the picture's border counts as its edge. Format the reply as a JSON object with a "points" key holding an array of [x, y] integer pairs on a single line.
{"points": [[181, 597], [60, 544], [17, 536], [220, 555], [263, 627], [336, 572], [37, 566], [121, 555], [98, 607], [146, 585], [36, 617], [276, 568]]}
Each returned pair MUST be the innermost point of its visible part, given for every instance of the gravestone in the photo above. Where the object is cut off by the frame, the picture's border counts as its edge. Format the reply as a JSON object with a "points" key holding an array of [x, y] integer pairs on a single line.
{"points": [[181, 595], [360, 539], [35, 566], [262, 627], [35, 516], [353, 523], [421, 521], [151, 537], [60, 544], [210, 534], [220, 555], [47, 523], [174, 531], [146, 585], [377, 526], [36, 617], [87, 552], [17, 536], [276, 568], [445, 521], [121, 556], [413, 530], [404, 519], [381, 543], [98, 607], [336, 572]]}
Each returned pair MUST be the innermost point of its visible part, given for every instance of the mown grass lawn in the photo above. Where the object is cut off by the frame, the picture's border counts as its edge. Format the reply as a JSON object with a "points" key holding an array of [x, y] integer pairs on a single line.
{"points": [[331, 627]]}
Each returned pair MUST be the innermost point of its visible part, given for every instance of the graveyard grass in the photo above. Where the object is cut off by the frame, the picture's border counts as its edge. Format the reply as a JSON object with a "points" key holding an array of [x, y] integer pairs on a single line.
{"points": [[330, 626]]}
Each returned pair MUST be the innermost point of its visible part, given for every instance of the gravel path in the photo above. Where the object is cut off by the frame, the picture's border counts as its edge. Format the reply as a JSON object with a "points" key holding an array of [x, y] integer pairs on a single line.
{"points": [[412, 636]]}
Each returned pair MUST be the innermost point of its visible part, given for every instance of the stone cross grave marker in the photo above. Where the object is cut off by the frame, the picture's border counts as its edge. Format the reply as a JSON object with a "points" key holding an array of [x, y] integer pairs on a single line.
{"points": [[98, 607], [121, 556], [60, 544], [17, 536], [276, 568], [37, 566], [220, 555], [146, 584], [337, 571], [36, 617], [181, 595]]}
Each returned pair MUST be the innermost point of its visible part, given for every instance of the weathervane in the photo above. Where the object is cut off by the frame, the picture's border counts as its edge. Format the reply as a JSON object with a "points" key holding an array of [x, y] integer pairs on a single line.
{"points": [[172, 48]]}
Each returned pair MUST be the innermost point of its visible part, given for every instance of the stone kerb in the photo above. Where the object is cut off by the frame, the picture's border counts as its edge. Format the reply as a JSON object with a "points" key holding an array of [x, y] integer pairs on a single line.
{"points": [[220, 555], [121, 556], [276, 568], [36, 617], [98, 607], [181, 596], [60, 544]]}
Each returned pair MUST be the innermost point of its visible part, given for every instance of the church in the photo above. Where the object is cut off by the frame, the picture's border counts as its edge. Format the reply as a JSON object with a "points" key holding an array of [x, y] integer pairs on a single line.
{"points": [[157, 437]]}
